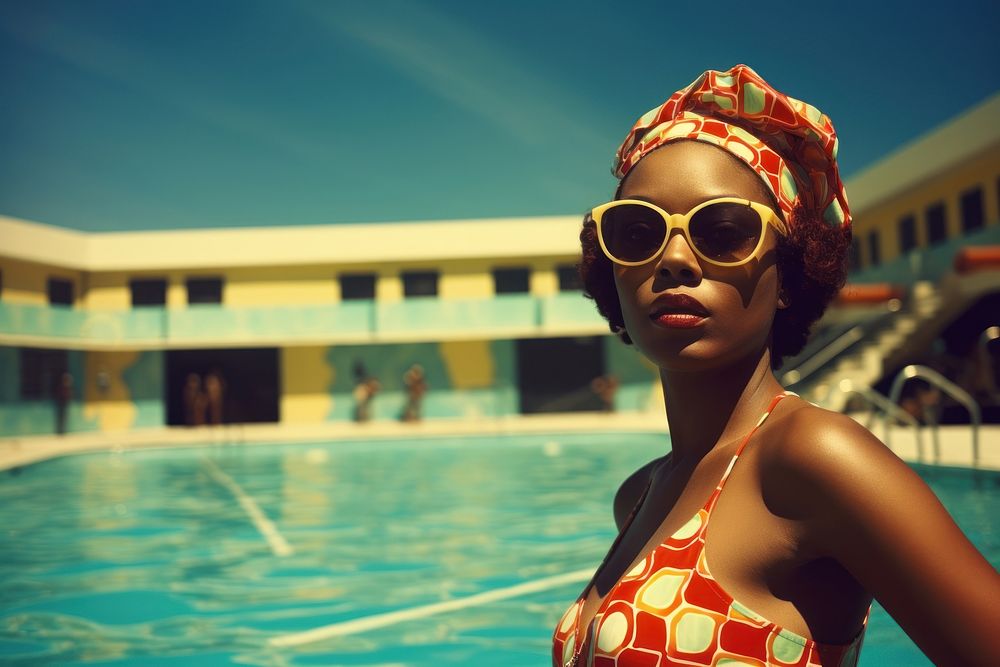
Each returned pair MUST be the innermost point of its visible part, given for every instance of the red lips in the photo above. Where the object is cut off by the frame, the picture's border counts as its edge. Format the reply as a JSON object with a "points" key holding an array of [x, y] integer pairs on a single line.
{"points": [[677, 311], [677, 304]]}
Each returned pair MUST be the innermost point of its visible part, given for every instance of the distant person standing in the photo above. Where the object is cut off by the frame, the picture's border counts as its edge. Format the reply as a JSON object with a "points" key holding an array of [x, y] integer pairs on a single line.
{"points": [[194, 401], [63, 394], [215, 389], [365, 389], [416, 387]]}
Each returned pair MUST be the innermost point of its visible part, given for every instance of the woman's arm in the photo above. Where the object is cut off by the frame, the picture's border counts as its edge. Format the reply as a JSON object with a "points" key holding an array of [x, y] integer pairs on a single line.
{"points": [[869, 510]]}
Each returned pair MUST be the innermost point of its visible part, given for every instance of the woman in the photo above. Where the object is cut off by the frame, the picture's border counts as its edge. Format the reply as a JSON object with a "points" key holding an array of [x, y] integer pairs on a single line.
{"points": [[725, 242]]}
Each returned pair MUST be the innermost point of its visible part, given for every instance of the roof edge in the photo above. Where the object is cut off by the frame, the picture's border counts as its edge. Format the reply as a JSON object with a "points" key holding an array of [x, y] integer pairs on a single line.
{"points": [[963, 137]]}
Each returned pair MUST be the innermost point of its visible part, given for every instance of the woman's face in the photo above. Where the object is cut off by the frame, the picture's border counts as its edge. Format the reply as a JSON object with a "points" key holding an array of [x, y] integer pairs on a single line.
{"points": [[738, 303]]}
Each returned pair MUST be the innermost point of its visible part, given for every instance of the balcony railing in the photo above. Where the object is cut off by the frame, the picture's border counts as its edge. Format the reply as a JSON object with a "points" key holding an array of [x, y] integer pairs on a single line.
{"points": [[350, 319], [417, 319]]}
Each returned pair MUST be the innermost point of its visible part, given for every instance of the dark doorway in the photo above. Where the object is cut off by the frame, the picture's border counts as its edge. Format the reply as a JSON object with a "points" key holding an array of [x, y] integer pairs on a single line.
{"points": [[972, 359], [41, 372], [249, 379], [555, 374]]}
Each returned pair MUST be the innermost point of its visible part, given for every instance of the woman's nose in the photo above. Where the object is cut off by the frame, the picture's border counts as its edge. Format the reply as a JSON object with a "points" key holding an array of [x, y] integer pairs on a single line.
{"points": [[678, 261]]}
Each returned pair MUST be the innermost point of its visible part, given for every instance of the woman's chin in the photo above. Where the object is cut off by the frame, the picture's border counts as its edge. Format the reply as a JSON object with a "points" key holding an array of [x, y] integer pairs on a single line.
{"points": [[684, 359], [691, 356]]}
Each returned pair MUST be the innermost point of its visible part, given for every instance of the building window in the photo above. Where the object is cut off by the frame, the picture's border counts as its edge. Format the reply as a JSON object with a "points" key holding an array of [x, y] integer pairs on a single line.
{"points": [[204, 290], [907, 234], [40, 371], [972, 210], [511, 281], [60, 292], [420, 283], [854, 255], [357, 286], [148, 292], [937, 223], [874, 254], [569, 278]]}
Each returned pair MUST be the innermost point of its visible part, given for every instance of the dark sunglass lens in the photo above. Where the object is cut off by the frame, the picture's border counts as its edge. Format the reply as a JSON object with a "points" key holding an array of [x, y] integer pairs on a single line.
{"points": [[726, 232], [632, 233]]}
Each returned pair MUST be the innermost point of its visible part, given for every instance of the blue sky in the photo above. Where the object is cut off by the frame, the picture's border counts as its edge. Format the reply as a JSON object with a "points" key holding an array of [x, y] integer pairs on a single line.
{"points": [[131, 114]]}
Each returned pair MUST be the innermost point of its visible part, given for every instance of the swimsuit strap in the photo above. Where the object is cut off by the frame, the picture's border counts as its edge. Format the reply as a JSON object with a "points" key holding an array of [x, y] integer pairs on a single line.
{"points": [[739, 450], [708, 505]]}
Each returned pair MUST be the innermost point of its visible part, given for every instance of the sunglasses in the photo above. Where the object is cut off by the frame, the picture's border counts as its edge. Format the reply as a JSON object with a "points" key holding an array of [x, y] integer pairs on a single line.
{"points": [[726, 231]]}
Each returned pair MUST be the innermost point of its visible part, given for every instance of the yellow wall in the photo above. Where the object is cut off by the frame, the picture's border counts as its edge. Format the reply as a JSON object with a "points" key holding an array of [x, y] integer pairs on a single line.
{"points": [[108, 291], [544, 279], [112, 407], [241, 286], [291, 285], [388, 285], [947, 187], [306, 379], [466, 280], [469, 363], [27, 282], [176, 291], [269, 286]]}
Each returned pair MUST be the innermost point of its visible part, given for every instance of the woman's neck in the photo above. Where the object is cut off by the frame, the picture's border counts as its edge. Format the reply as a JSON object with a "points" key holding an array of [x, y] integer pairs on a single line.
{"points": [[717, 406]]}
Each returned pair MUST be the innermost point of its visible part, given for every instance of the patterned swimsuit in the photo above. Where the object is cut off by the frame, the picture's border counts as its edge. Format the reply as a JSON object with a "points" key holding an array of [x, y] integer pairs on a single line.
{"points": [[669, 610]]}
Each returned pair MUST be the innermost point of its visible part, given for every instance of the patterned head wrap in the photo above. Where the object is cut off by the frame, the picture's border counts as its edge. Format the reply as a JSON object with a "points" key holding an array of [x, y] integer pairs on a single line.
{"points": [[790, 144]]}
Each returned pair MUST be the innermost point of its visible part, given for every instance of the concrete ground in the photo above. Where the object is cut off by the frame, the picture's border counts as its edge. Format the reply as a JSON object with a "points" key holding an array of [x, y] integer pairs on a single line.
{"points": [[954, 443]]}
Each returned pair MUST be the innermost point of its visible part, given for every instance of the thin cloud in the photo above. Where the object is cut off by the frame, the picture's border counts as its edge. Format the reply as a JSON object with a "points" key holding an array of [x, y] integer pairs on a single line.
{"points": [[462, 66], [159, 81]]}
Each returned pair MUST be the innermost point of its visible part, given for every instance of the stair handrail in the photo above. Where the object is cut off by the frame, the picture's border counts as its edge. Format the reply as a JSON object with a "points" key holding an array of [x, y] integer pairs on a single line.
{"points": [[840, 344], [823, 356], [947, 386], [882, 403], [988, 335]]}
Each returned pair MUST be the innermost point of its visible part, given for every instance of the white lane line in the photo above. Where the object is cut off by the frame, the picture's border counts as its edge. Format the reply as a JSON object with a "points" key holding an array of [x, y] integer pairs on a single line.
{"points": [[275, 540], [366, 623]]}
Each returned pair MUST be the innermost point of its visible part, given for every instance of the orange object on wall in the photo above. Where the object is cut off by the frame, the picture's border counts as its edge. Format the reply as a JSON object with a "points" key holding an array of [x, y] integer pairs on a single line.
{"points": [[868, 293], [977, 258]]}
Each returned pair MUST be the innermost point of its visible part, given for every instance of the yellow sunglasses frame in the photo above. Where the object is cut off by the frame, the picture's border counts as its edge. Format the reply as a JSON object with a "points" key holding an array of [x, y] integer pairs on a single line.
{"points": [[682, 221]]}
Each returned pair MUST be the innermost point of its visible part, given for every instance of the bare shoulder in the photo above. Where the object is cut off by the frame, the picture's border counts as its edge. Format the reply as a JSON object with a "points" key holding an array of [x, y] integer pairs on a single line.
{"points": [[837, 479], [818, 446], [631, 490], [824, 468], [858, 503]]}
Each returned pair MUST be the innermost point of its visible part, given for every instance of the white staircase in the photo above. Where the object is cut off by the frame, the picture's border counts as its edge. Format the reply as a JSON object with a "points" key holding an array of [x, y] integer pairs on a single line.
{"points": [[862, 365]]}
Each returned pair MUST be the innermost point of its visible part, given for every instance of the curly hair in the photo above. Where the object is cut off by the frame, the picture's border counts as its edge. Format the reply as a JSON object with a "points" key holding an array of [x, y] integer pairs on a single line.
{"points": [[812, 267]]}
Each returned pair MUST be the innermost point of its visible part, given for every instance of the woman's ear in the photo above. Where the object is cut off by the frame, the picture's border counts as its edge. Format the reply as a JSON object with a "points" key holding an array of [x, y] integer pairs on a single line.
{"points": [[783, 300]]}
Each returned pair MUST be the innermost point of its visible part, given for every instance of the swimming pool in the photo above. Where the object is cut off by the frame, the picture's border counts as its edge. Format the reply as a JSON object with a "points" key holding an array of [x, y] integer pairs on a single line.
{"points": [[224, 554]]}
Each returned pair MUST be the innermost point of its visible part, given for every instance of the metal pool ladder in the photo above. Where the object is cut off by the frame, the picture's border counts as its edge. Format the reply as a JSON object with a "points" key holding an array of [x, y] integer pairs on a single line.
{"points": [[948, 387]]}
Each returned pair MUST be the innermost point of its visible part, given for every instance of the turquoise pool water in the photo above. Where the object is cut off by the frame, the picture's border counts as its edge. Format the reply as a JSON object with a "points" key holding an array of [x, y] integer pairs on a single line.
{"points": [[154, 557]]}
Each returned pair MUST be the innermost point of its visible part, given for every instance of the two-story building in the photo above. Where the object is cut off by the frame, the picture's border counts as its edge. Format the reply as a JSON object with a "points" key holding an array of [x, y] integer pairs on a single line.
{"points": [[292, 317]]}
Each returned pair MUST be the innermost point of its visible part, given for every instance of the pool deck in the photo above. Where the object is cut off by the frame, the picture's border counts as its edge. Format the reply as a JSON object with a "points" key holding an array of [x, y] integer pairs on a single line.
{"points": [[955, 442]]}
